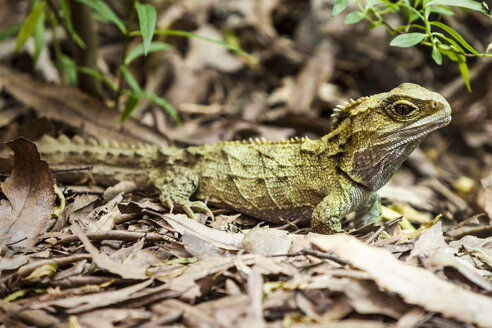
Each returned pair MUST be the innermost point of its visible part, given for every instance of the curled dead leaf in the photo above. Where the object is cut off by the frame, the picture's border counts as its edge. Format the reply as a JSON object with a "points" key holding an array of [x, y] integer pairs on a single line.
{"points": [[30, 193]]}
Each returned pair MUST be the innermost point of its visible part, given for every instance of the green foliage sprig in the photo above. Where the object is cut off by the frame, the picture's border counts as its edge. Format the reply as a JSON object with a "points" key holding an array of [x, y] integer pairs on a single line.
{"points": [[419, 29]]}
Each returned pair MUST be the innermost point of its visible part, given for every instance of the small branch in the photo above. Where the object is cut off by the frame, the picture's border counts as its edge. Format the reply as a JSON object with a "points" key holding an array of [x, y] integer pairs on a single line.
{"points": [[131, 16], [119, 235], [318, 254], [382, 228], [75, 169], [55, 11], [324, 256]]}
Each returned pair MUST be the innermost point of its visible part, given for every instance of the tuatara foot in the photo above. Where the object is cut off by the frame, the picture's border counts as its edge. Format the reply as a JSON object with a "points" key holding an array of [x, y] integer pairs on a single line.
{"points": [[327, 215], [326, 226], [188, 206]]}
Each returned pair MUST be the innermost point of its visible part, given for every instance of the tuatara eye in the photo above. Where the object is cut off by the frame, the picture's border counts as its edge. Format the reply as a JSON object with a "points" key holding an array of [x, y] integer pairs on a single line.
{"points": [[403, 109]]}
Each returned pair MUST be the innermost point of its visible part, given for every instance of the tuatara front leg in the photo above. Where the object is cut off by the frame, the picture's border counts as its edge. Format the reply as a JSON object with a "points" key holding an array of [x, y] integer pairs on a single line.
{"points": [[327, 215], [177, 185]]}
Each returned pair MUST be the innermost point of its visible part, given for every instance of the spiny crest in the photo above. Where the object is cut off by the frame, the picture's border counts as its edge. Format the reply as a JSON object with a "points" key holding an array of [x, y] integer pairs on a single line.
{"points": [[263, 141], [90, 142], [342, 111]]}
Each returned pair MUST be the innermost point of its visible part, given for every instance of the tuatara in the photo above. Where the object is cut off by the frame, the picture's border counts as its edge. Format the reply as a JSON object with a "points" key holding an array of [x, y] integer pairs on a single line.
{"points": [[321, 180]]}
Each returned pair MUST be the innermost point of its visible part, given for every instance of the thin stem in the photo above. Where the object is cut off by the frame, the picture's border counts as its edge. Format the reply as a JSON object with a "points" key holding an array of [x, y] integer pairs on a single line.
{"points": [[126, 43], [58, 17], [57, 48]]}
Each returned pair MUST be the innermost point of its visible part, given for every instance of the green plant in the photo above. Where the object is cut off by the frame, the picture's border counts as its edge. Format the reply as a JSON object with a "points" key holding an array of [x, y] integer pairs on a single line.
{"points": [[419, 29], [34, 24]]}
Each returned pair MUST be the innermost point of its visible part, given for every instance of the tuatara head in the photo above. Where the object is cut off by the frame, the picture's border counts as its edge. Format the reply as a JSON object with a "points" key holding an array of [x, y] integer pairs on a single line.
{"points": [[383, 129]]}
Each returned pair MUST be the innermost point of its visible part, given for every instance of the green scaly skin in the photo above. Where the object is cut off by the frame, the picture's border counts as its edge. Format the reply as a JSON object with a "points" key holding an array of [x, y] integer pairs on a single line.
{"points": [[319, 180]]}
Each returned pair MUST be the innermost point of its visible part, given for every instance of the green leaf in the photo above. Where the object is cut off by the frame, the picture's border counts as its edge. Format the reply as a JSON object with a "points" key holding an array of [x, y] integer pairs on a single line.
{"points": [[102, 9], [450, 54], [470, 4], [373, 3], [339, 6], [354, 17], [29, 25], [164, 104], [134, 86], [10, 31], [464, 71], [436, 55], [408, 40], [441, 11], [70, 69], [392, 6], [147, 18], [455, 35], [38, 39], [413, 11], [65, 13], [453, 45], [130, 105], [95, 74], [21, 293], [153, 47]]}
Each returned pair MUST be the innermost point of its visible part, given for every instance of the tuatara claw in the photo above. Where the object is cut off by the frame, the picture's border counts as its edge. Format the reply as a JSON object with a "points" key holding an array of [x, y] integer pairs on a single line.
{"points": [[188, 206], [199, 206]]}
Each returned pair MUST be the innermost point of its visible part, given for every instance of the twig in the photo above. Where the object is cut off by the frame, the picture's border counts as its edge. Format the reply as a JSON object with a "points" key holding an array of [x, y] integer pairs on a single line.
{"points": [[83, 168], [325, 256], [318, 254], [290, 224], [382, 228], [119, 235]]}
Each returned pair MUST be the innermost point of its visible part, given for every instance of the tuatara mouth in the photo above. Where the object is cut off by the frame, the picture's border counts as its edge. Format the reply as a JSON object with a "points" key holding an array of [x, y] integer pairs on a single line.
{"points": [[440, 123]]}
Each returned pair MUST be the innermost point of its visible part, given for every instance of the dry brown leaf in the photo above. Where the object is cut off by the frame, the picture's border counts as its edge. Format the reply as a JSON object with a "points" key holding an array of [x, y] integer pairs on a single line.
{"points": [[479, 248], [254, 313], [201, 269], [411, 319], [316, 71], [121, 187], [428, 243], [415, 285], [362, 296], [75, 108], [78, 304], [105, 222], [14, 262], [107, 318], [16, 313], [266, 241], [31, 195], [458, 269], [256, 13], [220, 239], [366, 298], [79, 202], [105, 262], [487, 195], [349, 323], [203, 54]]}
